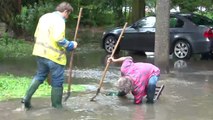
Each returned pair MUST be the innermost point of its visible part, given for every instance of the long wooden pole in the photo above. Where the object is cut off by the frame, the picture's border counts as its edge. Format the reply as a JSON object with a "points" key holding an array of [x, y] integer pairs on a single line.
{"points": [[71, 59], [107, 66]]}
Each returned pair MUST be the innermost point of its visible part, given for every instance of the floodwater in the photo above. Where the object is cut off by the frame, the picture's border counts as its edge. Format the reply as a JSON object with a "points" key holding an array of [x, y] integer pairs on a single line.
{"points": [[188, 93]]}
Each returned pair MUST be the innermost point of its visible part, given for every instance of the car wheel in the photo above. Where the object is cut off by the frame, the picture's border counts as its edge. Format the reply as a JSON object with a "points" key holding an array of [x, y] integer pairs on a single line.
{"points": [[109, 44], [182, 50]]}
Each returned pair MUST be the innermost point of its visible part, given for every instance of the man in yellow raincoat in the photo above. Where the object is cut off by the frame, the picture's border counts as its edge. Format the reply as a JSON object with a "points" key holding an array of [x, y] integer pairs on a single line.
{"points": [[50, 51]]}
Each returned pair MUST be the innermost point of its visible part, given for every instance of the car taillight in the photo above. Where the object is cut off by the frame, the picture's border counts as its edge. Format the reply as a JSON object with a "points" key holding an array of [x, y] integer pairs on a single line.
{"points": [[208, 33]]}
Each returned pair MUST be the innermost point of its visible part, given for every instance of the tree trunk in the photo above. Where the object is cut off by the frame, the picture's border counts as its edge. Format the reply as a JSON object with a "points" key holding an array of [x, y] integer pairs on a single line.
{"points": [[138, 10], [162, 35], [118, 12]]}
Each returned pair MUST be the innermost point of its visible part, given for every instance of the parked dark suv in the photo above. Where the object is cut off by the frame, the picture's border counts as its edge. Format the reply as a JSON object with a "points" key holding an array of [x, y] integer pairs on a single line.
{"points": [[189, 34]]}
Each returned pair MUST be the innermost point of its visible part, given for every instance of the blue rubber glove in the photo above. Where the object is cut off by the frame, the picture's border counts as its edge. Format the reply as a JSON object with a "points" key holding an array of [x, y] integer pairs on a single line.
{"points": [[69, 45]]}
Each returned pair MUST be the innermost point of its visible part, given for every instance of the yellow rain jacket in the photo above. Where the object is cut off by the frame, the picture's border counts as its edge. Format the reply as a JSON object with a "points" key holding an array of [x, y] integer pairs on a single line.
{"points": [[50, 30]]}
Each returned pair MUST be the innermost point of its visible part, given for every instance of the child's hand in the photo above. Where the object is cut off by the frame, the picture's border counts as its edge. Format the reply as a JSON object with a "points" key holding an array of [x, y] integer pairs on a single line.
{"points": [[110, 59]]}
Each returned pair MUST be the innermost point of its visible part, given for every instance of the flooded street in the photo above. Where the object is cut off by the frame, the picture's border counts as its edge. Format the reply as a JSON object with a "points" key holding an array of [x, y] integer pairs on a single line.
{"points": [[188, 93]]}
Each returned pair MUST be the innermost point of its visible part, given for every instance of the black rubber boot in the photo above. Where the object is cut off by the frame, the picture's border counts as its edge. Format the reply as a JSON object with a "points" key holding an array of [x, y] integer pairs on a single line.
{"points": [[31, 90], [56, 97], [151, 93]]}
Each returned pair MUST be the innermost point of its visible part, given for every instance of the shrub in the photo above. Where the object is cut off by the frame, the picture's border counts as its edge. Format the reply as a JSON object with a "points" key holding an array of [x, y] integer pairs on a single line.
{"points": [[29, 16], [10, 47]]}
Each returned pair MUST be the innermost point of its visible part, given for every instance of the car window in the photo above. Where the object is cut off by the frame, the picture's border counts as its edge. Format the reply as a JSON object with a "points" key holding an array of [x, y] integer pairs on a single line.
{"points": [[199, 20], [147, 22], [172, 22], [175, 22]]}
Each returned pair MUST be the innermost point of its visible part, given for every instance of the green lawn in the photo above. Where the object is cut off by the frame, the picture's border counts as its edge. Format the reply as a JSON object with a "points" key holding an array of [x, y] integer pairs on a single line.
{"points": [[15, 87]]}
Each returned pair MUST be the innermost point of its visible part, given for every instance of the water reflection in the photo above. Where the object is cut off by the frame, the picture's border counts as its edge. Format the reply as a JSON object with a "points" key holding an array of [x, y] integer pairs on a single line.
{"points": [[138, 113], [146, 112], [21, 67], [180, 64]]}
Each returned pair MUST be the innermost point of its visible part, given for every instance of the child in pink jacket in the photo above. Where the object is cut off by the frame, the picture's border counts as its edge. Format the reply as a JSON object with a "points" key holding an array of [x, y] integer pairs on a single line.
{"points": [[139, 78]]}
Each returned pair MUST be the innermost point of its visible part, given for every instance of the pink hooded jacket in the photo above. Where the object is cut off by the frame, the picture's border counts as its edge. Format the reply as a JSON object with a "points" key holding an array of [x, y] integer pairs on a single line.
{"points": [[139, 73]]}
